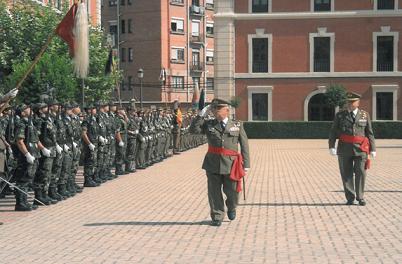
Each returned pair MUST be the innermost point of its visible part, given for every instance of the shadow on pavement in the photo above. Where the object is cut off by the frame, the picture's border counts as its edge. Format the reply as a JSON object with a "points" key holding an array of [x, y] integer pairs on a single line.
{"points": [[292, 204], [377, 191], [141, 223]]}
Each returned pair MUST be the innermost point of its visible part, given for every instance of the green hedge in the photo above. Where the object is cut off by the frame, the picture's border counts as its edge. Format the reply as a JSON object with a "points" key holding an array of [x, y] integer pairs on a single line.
{"points": [[312, 130]]}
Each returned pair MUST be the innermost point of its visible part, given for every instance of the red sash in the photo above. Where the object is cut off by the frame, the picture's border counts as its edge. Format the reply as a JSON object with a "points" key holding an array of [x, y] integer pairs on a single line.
{"points": [[237, 171], [364, 145]]}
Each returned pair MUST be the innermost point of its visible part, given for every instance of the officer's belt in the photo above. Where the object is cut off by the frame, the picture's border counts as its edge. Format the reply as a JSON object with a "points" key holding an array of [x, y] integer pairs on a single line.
{"points": [[364, 145], [237, 171]]}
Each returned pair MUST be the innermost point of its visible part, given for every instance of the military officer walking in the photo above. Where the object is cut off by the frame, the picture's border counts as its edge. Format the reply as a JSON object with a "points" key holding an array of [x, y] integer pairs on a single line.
{"points": [[352, 128], [224, 165]]}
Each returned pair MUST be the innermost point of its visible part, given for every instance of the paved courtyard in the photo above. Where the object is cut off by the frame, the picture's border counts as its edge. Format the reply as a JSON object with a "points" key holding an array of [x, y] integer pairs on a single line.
{"points": [[294, 213]]}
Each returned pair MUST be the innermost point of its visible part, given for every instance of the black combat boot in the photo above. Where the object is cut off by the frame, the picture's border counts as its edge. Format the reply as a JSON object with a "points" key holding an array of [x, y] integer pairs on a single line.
{"points": [[39, 199], [21, 201], [47, 197], [70, 188], [54, 195], [61, 189], [90, 183]]}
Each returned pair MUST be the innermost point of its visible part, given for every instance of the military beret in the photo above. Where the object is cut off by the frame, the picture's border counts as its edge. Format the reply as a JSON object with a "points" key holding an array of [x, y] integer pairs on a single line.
{"points": [[23, 107], [53, 101], [219, 103], [351, 96], [68, 106], [40, 105], [75, 104]]}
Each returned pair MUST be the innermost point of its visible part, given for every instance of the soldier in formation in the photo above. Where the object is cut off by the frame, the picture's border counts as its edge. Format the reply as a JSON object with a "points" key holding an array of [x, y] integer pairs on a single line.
{"points": [[46, 142]]}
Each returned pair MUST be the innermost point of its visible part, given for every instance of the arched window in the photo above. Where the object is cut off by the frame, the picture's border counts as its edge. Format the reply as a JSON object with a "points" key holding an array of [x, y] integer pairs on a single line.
{"points": [[319, 110]]}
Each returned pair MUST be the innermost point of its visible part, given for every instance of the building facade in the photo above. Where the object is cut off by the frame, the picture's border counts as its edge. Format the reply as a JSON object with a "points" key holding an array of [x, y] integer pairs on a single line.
{"points": [[280, 56], [93, 8], [171, 40]]}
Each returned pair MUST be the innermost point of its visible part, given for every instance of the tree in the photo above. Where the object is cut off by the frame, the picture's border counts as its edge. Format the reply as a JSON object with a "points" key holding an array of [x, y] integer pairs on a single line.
{"points": [[336, 95], [24, 29]]}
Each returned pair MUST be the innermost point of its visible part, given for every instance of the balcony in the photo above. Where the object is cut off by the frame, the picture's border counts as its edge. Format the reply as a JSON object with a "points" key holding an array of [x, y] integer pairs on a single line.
{"points": [[197, 66], [322, 65], [197, 10], [198, 39], [387, 66], [177, 2]]}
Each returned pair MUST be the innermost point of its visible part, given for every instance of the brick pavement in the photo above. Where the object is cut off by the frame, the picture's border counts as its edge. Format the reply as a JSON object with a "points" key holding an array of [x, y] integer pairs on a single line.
{"points": [[294, 213]]}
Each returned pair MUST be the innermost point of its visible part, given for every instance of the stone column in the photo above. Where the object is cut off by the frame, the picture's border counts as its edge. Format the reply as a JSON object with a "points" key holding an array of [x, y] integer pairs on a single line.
{"points": [[224, 66]]}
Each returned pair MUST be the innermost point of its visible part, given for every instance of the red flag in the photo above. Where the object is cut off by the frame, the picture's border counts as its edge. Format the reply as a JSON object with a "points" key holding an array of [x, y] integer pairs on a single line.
{"points": [[65, 28]]}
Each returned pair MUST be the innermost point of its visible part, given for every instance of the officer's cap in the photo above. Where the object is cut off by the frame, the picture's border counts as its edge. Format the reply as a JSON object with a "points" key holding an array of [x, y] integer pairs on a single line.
{"points": [[351, 96], [219, 103], [111, 103]]}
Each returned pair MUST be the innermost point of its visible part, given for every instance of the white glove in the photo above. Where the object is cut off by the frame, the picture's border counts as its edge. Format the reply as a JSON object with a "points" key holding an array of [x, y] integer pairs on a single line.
{"points": [[66, 148], [136, 131], [102, 139], [373, 154], [30, 158], [75, 145], [46, 152], [106, 141], [121, 144], [10, 150], [11, 94], [246, 169], [332, 151], [58, 149], [91, 147], [204, 111]]}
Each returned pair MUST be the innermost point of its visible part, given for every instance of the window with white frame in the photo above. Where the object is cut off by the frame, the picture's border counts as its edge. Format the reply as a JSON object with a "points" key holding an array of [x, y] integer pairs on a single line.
{"points": [[210, 28], [385, 4], [177, 54], [384, 102], [259, 6], [209, 4], [259, 103], [322, 51], [210, 56], [177, 25], [322, 5], [210, 84], [260, 52], [195, 28], [178, 82], [385, 50]]}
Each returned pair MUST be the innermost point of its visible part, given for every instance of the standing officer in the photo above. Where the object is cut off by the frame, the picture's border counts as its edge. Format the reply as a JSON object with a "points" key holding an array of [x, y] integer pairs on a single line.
{"points": [[77, 144], [47, 136], [356, 141], [28, 145], [90, 140], [224, 165], [132, 132], [121, 141]]}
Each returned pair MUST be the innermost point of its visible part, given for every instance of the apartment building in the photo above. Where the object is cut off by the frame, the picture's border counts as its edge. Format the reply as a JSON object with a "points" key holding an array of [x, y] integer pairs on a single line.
{"points": [[93, 8], [280, 56], [171, 40]]}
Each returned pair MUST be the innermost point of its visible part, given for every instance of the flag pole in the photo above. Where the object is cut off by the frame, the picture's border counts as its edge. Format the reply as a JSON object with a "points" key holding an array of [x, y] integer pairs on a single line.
{"points": [[31, 67]]}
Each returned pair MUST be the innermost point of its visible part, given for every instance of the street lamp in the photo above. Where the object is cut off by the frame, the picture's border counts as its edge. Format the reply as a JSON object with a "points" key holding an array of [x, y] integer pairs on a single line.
{"points": [[140, 75]]}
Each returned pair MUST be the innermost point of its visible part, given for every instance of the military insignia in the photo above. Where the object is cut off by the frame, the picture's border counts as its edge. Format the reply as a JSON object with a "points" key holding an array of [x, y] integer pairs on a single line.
{"points": [[235, 128]]}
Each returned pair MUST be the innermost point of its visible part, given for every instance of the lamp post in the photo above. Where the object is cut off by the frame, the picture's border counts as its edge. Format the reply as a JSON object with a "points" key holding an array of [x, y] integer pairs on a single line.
{"points": [[140, 74]]}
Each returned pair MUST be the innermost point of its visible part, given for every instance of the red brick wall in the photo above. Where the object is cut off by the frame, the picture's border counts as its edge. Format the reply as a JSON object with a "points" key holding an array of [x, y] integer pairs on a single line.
{"points": [[289, 94], [291, 52], [291, 6]]}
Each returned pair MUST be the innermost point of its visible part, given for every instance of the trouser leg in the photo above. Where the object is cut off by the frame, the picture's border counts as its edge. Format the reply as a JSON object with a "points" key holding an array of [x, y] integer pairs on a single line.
{"points": [[215, 196], [360, 176], [232, 196], [346, 170]]}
